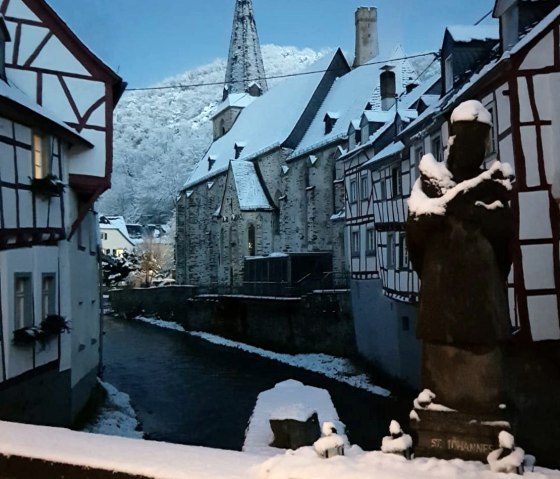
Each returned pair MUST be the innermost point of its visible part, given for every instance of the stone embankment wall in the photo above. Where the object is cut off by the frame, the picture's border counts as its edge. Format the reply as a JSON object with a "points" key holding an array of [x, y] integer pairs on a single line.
{"points": [[317, 322]]}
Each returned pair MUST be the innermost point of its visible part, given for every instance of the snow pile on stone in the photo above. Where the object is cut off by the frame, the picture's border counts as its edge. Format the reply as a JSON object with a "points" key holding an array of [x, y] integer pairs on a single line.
{"points": [[331, 444], [284, 401], [471, 110], [507, 458], [116, 417], [424, 401], [420, 204], [397, 442]]}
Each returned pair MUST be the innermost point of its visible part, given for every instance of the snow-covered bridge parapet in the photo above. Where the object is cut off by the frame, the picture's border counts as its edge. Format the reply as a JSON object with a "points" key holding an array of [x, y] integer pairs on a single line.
{"points": [[43, 452]]}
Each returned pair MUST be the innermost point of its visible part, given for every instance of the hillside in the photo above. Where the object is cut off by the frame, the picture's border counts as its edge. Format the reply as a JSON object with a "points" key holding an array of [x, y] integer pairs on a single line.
{"points": [[161, 134]]}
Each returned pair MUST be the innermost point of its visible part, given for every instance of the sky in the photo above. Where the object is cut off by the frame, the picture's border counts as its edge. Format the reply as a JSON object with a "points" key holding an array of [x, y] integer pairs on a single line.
{"points": [[147, 41]]}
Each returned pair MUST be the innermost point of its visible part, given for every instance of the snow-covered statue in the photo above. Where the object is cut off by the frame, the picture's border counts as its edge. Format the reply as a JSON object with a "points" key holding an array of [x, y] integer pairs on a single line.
{"points": [[459, 235]]}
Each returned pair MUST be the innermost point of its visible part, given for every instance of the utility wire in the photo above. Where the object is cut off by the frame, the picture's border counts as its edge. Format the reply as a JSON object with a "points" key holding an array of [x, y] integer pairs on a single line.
{"points": [[478, 21], [196, 85]]}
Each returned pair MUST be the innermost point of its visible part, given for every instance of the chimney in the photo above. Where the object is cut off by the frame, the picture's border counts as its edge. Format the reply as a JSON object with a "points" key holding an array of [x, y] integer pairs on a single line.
{"points": [[388, 87], [367, 43]]}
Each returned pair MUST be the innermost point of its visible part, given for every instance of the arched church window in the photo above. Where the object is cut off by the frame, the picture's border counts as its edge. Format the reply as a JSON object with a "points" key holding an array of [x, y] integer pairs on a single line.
{"points": [[251, 240]]}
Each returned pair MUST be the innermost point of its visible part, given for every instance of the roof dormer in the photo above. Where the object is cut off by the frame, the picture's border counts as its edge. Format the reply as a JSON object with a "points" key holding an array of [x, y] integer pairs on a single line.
{"points": [[238, 148], [330, 120], [464, 46], [517, 17]]}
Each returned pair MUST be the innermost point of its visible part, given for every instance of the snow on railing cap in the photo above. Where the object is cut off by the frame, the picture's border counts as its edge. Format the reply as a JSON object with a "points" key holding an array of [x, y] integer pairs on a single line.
{"points": [[471, 110], [506, 440], [394, 427]]}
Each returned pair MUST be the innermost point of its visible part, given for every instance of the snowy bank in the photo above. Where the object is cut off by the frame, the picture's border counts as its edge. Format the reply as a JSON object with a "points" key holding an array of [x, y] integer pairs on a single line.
{"points": [[116, 416], [340, 369]]}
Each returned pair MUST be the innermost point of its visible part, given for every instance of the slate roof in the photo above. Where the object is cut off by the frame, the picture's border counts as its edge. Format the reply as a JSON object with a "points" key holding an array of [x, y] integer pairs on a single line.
{"points": [[250, 193], [266, 123]]}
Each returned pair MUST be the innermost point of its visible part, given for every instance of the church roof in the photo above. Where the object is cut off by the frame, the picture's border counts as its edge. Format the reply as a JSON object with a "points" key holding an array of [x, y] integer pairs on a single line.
{"points": [[250, 193], [349, 96], [266, 123]]}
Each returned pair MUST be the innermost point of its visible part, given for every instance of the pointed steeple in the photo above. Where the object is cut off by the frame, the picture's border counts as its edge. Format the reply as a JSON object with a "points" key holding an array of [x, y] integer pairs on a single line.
{"points": [[245, 69]]}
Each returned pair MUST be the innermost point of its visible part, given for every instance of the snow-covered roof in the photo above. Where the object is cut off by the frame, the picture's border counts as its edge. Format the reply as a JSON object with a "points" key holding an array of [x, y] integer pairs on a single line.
{"points": [[250, 192], [389, 150], [236, 100], [468, 33], [10, 92], [408, 114], [429, 99], [348, 97], [265, 123], [115, 223]]}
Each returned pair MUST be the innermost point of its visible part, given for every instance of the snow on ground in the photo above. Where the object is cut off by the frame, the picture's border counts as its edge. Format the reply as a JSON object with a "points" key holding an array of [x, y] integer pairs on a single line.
{"points": [[161, 460], [286, 400], [333, 367], [116, 417]]}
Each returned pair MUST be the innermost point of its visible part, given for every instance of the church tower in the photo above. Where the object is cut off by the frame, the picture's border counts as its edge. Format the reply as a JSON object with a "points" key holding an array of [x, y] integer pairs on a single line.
{"points": [[245, 69]]}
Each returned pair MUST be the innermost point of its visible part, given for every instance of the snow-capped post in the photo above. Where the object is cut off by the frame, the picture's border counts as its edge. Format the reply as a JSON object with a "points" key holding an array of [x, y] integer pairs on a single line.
{"points": [[508, 458], [331, 443], [460, 232], [398, 442]]}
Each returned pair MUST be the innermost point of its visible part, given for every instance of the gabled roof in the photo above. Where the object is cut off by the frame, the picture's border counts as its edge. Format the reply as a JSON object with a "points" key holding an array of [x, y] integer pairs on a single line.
{"points": [[267, 122], [387, 152], [250, 192], [92, 62], [469, 33]]}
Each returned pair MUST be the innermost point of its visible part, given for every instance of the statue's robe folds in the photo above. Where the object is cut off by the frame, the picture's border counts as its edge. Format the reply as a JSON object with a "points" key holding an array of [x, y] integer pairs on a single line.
{"points": [[463, 259]]}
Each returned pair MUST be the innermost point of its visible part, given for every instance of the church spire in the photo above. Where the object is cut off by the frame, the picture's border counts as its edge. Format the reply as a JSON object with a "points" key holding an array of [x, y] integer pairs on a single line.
{"points": [[245, 62]]}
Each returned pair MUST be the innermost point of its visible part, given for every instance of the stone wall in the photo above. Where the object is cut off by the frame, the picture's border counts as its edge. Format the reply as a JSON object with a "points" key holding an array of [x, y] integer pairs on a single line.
{"points": [[319, 322]]}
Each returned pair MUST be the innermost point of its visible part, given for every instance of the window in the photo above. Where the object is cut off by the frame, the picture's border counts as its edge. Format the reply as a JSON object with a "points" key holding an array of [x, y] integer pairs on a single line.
{"points": [[418, 153], [391, 250], [492, 141], [448, 73], [48, 295], [436, 148], [251, 240], [364, 187], [353, 192], [382, 189], [103, 236], [355, 243], [405, 321], [41, 155], [403, 252], [358, 136], [23, 302], [396, 181], [370, 242]]}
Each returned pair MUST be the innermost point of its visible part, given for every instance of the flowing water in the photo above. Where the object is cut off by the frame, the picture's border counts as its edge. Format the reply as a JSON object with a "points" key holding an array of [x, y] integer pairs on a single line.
{"points": [[189, 391]]}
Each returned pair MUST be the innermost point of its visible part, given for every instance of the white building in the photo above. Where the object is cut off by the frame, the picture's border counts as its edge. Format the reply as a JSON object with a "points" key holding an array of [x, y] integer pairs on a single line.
{"points": [[56, 104], [114, 236]]}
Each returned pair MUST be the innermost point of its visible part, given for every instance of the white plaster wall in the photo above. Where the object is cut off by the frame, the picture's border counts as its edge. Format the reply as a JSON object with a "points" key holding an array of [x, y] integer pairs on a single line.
{"points": [[36, 261], [541, 55], [84, 161], [532, 205], [503, 108], [537, 268], [543, 316], [115, 240]]}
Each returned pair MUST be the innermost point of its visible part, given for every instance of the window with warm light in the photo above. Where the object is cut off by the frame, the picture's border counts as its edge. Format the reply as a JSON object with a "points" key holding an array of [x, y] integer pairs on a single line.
{"points": [[41, 155]]}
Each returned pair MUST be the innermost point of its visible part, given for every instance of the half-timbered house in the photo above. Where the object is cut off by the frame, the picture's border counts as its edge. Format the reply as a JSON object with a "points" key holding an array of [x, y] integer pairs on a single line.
{"points": [[56, 104], [514, 75]]}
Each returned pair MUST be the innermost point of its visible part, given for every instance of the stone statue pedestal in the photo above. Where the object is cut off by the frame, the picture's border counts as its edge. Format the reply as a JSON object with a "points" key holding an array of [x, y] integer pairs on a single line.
{"points": [[468, 379], [452, 435]]}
